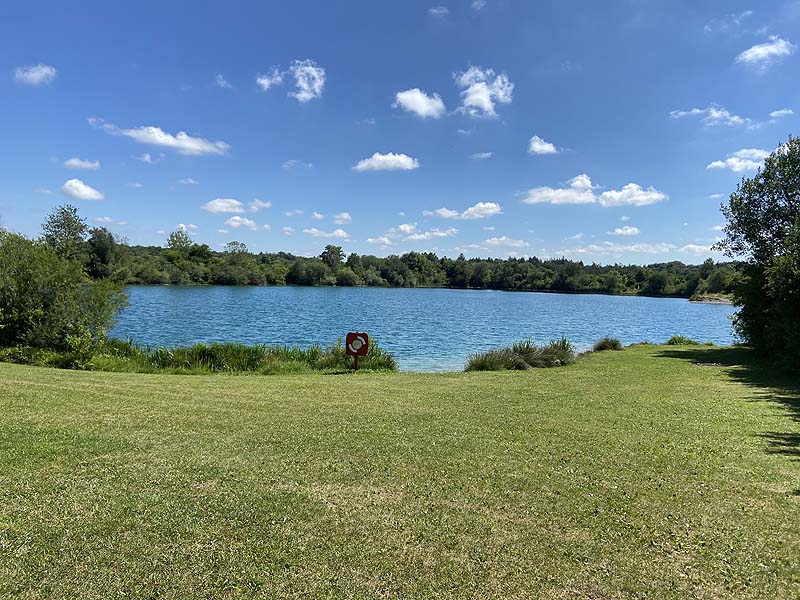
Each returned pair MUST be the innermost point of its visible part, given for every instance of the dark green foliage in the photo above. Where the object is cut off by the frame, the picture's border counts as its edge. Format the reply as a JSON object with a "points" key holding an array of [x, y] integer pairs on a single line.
{"points": [[764, 227], [64, 231], [46, 299], [681, 340], [118, 355], [607, 343], [523, 355]]}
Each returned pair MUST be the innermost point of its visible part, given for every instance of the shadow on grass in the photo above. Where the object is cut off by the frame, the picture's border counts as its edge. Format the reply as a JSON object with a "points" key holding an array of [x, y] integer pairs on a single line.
{"points": [[770, 384]]}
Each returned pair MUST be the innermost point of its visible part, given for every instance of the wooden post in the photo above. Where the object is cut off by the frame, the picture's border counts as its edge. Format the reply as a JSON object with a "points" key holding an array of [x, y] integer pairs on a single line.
{"points": [[355, 366]]}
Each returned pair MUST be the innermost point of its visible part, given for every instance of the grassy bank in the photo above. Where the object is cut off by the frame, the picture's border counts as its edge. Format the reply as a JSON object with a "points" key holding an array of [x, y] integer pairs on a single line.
{"points": [[628, 474]]}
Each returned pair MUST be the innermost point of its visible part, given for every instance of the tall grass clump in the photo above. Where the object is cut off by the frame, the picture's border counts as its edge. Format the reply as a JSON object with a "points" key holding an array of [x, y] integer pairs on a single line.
{"points": [[682, 340], [523, 355], [607, 343], [124, 356]]}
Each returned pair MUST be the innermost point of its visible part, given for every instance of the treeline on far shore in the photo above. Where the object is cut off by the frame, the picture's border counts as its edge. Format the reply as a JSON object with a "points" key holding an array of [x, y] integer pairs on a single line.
{"points": [[182, 261]]}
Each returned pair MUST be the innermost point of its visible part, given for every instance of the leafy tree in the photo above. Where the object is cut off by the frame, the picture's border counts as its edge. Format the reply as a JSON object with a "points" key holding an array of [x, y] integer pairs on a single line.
{"points": [[764, 229], [103, 253], [179, 241], [65, 231], [332, 256]]}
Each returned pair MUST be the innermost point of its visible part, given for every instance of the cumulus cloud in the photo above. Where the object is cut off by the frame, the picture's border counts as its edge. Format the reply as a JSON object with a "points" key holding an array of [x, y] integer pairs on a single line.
{"points": [[343, 218], [242, 222], [762, 56], [418, 102], [147, 158], [188, 181], [712, 115], [537, 145], [746, 159], [696, 249], [779, 114], [438, 11], [481, 210], [231, 205], [482, 90], [340, 234], [108, 221], [317, 216], [380, 241], [189, 228], [35, 74], [81, 164], [507, 242], [272, 79], [580, 190], [309, 79], [482, 155], [79, 190], [181, 142], [294, 212], [615, 249], [478, 5], [294, 163], [387, 162], [222, 82], [432, 234], [626, 230], [631, 194], [288, 230]]}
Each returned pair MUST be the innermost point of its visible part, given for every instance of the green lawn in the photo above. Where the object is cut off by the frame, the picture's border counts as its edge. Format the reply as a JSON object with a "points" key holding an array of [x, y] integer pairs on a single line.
{"points": [[628, 474]]}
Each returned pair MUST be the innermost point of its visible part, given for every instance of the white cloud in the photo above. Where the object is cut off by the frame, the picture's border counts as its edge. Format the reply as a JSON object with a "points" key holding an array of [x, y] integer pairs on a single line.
{"points": [[577, 237], [432, 234], [84, 165], [696, 249], [537, 145], [478, 5], [45, 191], [625, 230], [146, 158], [746, 159], [506, 241], [317, 216], [309, 79], [243, 222], [624, 218], [481, 155], [784, 112], [35, 75], [387, 162], [188, 181], [292, 163], [380, 241], [418, 102], [340, 234], [728, 23], [181, 142], [407, 228], [190, 227], [223, 231], [257, 205], [221, 82], [489, 228], [223, 205], [294, 212], [631, 194], [718, 228], [614, 249], [715, 196], [274, 78], [578, 192], [464, 131], [135, 185], [288, 230], [481, 210], [77, 189], [712, 115], [342, 218], [581, 191], [108, 221], [482, 91], [762, 56], [438, 11]]}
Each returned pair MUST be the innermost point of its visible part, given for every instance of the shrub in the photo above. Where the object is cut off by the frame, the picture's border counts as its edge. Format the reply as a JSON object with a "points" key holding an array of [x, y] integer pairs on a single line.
{"points": [[680, 340], [46, 298], [523, 355], [607, 343]]}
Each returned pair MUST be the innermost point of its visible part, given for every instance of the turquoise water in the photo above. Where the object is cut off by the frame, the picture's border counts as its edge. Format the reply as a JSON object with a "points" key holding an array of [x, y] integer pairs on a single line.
{"points": [[426, 329]]}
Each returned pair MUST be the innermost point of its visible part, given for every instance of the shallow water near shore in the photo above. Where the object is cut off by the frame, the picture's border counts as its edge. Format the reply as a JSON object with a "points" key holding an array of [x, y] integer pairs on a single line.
{"points": [[426, 329]]}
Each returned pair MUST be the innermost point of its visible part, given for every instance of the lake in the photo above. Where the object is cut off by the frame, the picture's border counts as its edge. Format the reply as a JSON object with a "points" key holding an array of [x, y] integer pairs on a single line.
{"points": [[425, 329]]}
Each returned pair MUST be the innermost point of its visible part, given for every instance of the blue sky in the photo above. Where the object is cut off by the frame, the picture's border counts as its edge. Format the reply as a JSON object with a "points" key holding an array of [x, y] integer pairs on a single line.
{"points": [[599, 131]]}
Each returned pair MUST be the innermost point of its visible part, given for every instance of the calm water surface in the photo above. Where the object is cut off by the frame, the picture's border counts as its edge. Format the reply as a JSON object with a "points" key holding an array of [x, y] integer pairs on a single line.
{"points": [[426, 329]]}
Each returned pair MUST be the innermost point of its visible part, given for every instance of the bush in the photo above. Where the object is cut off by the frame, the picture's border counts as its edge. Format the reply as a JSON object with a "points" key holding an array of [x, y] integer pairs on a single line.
{"points": [[523, 355], [46, 298], [680, 340], [124, 356], [607, 343]]}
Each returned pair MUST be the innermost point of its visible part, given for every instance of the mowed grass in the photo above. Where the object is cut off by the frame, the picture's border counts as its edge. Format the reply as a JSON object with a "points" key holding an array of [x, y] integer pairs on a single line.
{"points": [[626, 475]]}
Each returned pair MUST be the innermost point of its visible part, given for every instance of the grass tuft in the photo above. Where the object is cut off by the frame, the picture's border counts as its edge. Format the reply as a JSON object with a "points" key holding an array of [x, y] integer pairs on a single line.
{"points": [[523, 355], [607, 343]]}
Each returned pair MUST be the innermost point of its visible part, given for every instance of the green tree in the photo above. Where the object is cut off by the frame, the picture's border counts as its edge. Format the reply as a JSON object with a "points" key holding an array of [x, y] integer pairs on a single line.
{"points": [[333, 257], [764, 229], [179, 241], [65, 231]]}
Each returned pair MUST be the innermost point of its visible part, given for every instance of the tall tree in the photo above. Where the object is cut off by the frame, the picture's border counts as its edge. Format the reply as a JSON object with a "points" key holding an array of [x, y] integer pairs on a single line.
{"points": [[65, 231], [332, 256]]}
